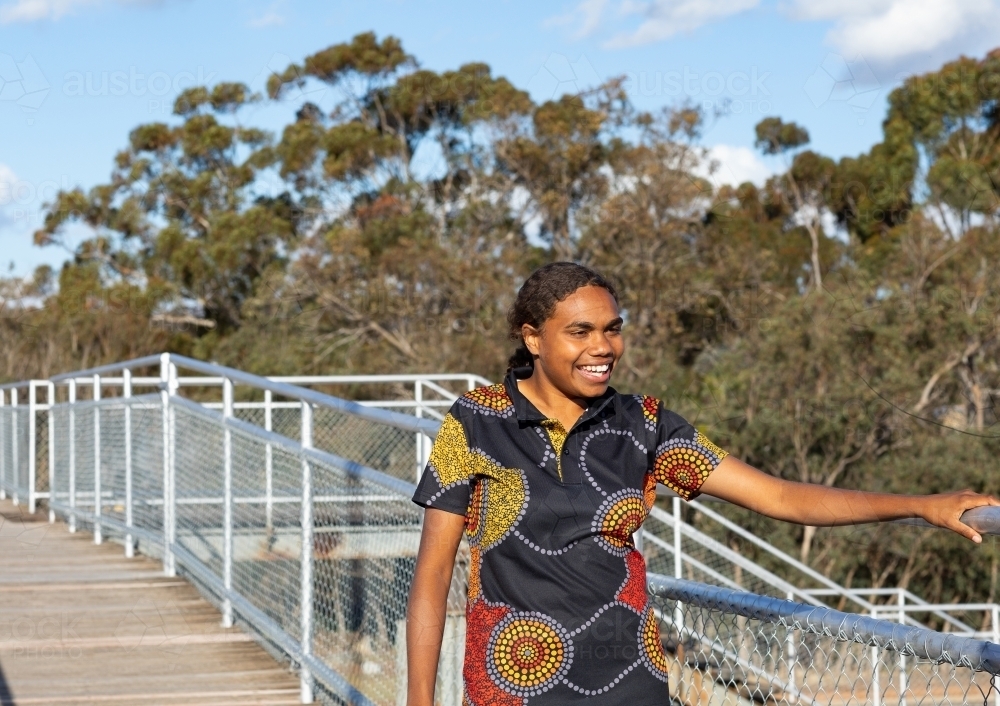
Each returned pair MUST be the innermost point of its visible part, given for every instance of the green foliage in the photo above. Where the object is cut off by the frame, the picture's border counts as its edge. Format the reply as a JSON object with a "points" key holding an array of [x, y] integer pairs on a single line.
{"points": [[775, 136]]}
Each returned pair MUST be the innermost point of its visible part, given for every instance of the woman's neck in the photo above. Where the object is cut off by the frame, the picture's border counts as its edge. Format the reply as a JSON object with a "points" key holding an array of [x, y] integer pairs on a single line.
{"points": [[550, 400]]}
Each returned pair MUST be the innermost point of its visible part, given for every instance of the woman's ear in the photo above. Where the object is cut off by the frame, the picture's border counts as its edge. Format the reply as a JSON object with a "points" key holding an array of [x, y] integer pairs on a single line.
{"points": [[531, 337]]}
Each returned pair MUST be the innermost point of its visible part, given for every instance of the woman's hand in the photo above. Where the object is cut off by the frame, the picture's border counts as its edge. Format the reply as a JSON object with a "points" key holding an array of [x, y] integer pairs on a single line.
{"points": [[946, 510]]}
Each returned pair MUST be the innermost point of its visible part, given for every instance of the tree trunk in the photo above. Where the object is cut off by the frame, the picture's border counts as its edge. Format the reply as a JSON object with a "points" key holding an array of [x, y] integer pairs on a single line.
{"points": [[808, 532], [817, 274]]}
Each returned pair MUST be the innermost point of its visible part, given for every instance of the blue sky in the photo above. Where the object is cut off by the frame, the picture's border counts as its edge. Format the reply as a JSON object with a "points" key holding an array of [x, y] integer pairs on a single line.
{"points": [[827, 64]]}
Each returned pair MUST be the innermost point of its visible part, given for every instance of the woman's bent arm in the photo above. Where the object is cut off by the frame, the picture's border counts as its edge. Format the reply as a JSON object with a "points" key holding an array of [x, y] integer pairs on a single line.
{"points": [[819, 505], [425, 613]]}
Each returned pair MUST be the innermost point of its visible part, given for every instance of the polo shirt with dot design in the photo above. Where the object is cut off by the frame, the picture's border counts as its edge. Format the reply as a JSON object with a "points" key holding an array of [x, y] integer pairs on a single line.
{"points": [[558, 611]]}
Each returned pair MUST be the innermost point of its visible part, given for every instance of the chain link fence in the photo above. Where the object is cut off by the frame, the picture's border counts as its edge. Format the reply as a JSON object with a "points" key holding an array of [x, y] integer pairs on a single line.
{"points": [[14, 446], [392, 451], [732, 647], [299, 528]]}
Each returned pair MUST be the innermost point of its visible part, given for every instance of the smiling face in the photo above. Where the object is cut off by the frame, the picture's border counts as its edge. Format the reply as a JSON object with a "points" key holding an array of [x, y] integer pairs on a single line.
{"points": [[579, 344]]}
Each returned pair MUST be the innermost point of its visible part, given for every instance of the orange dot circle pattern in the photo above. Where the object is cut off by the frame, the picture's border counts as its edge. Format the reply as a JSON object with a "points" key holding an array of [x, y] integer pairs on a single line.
{"points": [[650, 411], [618, 518], [528, 654], [474, 515], [492, 400], [683, 465]]}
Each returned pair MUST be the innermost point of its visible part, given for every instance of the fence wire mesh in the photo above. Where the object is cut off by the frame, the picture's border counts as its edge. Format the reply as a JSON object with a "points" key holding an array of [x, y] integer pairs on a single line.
{"points": [[387, 449], [122, 439], [14, 435], [360, 544], [709, 561], [730, 647], [364, 540]]}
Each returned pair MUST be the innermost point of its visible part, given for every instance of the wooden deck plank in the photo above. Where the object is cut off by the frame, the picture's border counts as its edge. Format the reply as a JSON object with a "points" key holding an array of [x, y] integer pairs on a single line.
{"points": [[81, 624]]}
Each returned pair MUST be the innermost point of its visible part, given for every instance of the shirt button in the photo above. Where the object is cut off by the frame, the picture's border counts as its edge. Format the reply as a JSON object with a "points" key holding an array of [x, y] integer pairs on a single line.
{"points": [[565, 452]]}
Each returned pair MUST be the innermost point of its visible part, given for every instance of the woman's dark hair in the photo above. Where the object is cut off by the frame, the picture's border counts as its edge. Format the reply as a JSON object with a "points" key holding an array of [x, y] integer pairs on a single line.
{"points": [[537, 299]]}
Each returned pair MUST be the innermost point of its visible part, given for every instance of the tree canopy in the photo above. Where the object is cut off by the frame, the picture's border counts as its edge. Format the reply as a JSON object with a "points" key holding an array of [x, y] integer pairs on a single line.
{"points": [[837, 324]]}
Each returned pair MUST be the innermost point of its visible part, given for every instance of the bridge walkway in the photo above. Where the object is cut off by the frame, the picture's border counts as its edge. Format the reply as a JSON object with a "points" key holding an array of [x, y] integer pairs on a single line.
{"points": [[82, 624]]}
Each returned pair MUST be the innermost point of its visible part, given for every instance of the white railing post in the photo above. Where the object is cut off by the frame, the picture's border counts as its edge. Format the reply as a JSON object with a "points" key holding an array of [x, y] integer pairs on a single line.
{"points": [[71, 452], [98, 537], [227, 503], [678, 567], [32, 444], [873, 652], [995, 627], [418, 397], [3, 448], [51, 397], [165, 392], [791, 653], [127, 412], [268, 467], [15, 461], [901, 600], [306, 688], [173, 386]]}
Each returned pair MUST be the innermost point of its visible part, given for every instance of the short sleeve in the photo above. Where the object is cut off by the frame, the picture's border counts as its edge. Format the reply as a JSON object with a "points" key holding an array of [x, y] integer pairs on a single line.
{"points": [[445, 482], [684, 456]]}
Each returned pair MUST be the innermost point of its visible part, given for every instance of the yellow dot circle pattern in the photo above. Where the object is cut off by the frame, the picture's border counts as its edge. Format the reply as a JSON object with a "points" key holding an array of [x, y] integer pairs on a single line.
{"points": [[528, 654], [652, 649], [683, 465], [617, 520], [622, 519]]}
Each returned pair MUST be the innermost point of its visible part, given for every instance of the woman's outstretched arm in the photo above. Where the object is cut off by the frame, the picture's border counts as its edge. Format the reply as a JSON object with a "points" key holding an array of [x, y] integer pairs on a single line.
{"points": [[818, 505], [425, 612]]}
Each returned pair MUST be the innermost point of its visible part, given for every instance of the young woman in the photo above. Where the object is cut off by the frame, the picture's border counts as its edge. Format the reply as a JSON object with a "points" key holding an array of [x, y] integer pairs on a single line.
{"points": [[548, 474]]}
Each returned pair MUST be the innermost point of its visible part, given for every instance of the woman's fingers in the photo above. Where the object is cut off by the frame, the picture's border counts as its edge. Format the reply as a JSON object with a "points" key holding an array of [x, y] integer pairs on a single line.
{"points": [[951, 506], [966, 531]]}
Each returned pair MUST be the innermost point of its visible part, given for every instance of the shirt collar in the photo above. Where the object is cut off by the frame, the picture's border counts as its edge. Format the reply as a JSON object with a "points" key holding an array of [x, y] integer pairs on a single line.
{"points": [[527, 412]]}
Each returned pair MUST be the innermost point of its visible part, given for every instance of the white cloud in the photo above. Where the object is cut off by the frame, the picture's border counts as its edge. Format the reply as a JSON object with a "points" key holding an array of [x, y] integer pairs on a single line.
{"points": [[888, 30], [658, 19], [8, 184], [35, 10], [15, 11], [7, 176], [735, 165], [587, 15], [268, 19], [272, 17], [889, 33], [663, 19]]}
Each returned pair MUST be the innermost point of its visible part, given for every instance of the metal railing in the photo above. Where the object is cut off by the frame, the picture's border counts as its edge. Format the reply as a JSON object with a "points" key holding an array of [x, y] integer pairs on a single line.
{"points": [[726, 646], [28, 456], [289, 509], [298, 539]]}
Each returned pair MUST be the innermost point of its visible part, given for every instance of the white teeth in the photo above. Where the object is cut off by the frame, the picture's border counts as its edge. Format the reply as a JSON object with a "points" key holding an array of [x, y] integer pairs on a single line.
{"points": [[597, 368]]}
